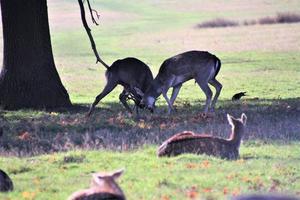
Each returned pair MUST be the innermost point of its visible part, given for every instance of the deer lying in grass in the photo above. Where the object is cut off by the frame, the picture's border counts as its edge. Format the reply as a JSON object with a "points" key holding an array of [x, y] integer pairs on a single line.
{"points": [[103, 186], [131, 73], [6, 183], [189, 142], [199, 65]]}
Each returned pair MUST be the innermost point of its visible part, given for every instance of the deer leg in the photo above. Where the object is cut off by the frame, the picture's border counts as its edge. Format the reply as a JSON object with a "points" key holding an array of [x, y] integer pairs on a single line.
{"points": [[170, 107], [205, 88], [175, 93], [107, 89], [123, 99], [218, 87], [137, 112]]}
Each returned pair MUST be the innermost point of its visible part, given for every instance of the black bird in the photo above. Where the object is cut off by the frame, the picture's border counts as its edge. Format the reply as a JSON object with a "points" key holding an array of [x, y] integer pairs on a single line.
{"points": [[238, 96], [6, 183]]}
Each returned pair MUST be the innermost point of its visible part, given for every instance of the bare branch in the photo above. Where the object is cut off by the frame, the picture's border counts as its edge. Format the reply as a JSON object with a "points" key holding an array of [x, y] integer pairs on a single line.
{"points": [[88, 31], [96, 12], [91, 12]]}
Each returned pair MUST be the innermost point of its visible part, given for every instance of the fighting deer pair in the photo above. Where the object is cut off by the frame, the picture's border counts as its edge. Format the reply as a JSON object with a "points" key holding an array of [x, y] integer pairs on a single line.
{"points": [[137, 80]]}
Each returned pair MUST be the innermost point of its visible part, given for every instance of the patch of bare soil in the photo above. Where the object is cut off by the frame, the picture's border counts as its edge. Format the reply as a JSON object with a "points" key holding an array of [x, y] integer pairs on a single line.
{"points": [[275, 38], [66, 15]]}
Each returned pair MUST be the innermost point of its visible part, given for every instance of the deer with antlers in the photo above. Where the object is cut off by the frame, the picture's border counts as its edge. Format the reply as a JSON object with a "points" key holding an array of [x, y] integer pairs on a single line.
{"points": [[189, 142], [103, 186]]}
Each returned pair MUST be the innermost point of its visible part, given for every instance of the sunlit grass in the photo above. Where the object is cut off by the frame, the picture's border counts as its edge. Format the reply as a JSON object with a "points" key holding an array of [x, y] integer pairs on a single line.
{"points": [[262, 60], [261, 168]]}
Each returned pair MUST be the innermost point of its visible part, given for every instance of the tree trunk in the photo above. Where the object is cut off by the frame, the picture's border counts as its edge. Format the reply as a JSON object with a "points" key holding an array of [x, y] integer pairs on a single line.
{"points": [[28, 78]]}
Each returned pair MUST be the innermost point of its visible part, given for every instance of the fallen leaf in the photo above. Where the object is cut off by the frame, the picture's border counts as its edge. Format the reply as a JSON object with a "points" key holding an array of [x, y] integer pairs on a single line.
{"points": [[207, 190], [192, 193], [24, 136], [205, 164], [28, 195]]}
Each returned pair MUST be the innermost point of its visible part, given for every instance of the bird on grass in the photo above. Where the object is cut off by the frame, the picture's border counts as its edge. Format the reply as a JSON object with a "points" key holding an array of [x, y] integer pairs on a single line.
{"points": [[238, 96]]}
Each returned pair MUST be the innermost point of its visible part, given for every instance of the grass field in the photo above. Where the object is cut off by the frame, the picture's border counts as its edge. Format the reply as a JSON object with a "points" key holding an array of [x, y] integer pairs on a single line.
{"points": [[51, 154]]}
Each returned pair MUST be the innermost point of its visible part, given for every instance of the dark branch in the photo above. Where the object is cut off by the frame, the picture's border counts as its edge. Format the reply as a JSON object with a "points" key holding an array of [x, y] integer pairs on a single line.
{"points": [[91, 12], [88, 31]]}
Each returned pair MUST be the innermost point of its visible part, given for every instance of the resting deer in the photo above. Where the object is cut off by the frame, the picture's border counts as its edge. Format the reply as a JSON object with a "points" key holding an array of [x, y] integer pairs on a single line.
{"points": [[189, 142], [199, 65], [131, 73], [103, 186], [6, 183]]}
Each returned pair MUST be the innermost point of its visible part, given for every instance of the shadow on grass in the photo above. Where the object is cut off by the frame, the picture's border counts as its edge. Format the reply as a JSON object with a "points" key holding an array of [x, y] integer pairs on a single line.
{"points": [[28, 132]]}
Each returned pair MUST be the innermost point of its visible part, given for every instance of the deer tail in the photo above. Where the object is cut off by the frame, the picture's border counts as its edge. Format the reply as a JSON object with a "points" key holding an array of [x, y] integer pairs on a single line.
{"points": [[217, 66]]}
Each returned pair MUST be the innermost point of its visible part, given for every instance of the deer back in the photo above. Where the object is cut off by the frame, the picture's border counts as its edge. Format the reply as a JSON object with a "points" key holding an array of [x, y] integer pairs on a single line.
{"points": [[131, 72], [188, 65], [189, 142]]}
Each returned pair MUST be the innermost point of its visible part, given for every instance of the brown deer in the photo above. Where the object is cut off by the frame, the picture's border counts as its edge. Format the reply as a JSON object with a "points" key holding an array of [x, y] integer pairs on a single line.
{"points": [[189, 142], [131, 73], [199, 65], [103, 186], [6, 183]]}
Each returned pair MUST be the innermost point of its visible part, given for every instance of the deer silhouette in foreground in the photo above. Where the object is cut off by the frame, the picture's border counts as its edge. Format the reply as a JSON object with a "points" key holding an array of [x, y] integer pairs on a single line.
{"points": [[265, 197], [131, 73], [189, 142], [6, 183], [199, 65], [103, 186]]}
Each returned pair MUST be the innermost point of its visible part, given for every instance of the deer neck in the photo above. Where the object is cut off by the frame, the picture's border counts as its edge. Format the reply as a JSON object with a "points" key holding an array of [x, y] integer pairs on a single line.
{"points": [[109, 187], [156, 87], [236, 136]]}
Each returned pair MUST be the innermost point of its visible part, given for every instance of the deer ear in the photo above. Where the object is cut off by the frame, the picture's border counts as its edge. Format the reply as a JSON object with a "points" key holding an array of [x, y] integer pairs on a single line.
{"points": [[244, 118], [138, 91], [230, 119], [117, 173], [96, 179]]}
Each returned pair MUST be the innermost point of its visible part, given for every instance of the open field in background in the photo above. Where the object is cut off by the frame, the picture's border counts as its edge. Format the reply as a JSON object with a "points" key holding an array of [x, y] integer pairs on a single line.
{"points": [[263, 60]]}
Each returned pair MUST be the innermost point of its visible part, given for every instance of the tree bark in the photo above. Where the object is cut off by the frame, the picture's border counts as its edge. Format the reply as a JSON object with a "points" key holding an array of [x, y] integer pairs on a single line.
{"points": [[28, 78]]}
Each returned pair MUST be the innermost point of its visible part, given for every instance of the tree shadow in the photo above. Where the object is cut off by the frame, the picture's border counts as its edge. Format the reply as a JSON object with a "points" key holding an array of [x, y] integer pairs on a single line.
{"points": [[111, 127]]}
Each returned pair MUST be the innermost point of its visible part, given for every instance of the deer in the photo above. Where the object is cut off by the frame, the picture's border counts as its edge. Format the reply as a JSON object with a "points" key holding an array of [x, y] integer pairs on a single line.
{"points": [[6, 183], [265, 197], [103, 186], [131, 73], [199, 65], [190, 142]]}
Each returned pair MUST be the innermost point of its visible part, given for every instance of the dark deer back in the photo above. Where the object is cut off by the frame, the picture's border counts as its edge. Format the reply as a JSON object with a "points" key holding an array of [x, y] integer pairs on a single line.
{"points": [[6, 183]]}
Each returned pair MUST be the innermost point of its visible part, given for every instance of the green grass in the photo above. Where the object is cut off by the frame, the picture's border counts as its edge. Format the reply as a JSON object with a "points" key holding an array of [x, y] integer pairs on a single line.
{"points": [[262, 168], [262, 60]]}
